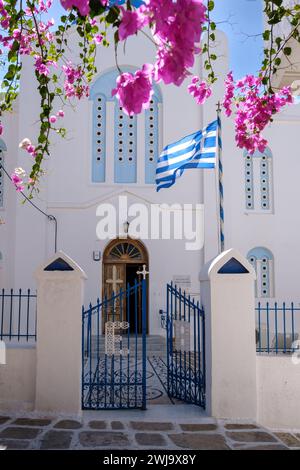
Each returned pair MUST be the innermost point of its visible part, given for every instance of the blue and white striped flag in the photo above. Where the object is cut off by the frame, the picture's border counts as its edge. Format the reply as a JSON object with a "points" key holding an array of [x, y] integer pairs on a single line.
{"points": [[198, 150]]}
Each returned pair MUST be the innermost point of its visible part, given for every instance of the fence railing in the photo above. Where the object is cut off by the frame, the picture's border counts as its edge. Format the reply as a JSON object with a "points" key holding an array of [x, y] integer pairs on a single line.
{"points": [[18, 315], [277, 328]]}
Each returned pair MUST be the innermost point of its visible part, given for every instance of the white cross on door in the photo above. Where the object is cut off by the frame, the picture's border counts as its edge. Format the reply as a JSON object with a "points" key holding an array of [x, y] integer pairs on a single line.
{"points": [[115, 282]]}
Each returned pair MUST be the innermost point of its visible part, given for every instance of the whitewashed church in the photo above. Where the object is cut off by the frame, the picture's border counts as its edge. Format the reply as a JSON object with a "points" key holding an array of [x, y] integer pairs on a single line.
{"points": [[107, 155]]}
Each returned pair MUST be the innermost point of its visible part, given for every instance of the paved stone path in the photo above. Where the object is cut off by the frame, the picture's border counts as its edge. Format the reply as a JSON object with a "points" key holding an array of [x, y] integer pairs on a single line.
{"points": [[58, 433]]}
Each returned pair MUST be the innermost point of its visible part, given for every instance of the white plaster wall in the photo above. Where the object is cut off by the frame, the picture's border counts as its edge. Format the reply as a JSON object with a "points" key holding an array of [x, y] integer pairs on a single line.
{"points": [[67, 191], [278, 391], [277, 231], [58, 373], [8, 211], [17, 379], [166, 257]]}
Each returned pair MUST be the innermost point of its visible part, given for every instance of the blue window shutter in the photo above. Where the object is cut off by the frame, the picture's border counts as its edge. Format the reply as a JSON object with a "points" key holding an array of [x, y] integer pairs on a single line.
{"points": [[151, 140], [265, 182], [99, 138], [258, 186], [262, 260], [125, 146], [249, 193]]}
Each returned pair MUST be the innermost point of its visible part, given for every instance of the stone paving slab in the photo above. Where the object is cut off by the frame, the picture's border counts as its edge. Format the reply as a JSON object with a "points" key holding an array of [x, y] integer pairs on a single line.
{"points": [[117, 425], [19, 433], [239, 426], [199, 441], [265, 447], [94, 439], [32, 422], [151, 426], [193, 427], [252, 436], [289, 439], [97, 424], [34, 432], [11, 444], [56, 440], [150, 439], [68, 424]]}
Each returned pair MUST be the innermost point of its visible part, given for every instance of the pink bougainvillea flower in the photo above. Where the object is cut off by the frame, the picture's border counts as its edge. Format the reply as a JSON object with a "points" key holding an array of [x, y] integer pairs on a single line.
{"points": [[134, 92], [254, 109], [82, 5], [132, 21], [17, 178], [200, 90]]}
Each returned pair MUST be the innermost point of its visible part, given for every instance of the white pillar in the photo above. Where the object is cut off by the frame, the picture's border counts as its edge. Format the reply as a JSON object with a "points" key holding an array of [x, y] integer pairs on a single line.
{"points": [[227, 294], [60, 289]]}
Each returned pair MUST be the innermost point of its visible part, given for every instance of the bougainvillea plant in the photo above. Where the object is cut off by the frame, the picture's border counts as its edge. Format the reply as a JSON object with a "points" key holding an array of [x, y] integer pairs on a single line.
{"points": [[179, 29]]}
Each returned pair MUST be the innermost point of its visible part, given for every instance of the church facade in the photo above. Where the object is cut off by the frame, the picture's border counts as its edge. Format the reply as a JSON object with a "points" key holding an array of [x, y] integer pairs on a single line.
{"points": [[108, 161]]}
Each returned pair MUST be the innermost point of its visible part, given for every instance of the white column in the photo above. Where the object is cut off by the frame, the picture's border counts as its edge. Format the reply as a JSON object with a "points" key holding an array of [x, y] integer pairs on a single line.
{"points": [[59, 303], [227, 294]]}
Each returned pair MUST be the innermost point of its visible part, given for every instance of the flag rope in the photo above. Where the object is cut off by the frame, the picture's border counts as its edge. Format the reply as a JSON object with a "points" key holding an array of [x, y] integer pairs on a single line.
{"points": [[221, 188]]}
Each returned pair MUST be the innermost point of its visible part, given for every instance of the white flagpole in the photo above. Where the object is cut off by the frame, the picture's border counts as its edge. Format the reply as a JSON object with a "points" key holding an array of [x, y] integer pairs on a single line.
{"points": [[219, 184]]}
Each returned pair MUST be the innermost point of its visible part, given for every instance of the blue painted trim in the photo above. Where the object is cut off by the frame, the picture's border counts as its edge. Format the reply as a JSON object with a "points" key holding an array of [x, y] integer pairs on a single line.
{"points": [[265, 183], [249, 190], [265, 180], [260, 252], [258, 154], [125, 147], [233, 266], [263, 282], [151, 140], [99, 139]]}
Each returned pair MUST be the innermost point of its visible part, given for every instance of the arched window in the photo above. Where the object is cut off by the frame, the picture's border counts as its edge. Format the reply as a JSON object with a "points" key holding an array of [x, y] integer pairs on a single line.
{"points": [[2, 152], [262, 261], [258, 182], [107, 116]]}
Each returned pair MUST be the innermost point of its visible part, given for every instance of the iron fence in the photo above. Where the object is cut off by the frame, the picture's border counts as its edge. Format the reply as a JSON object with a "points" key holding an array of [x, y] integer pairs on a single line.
{"points": [[277, 328], [185, 325], [113, 351], [18, 315]]}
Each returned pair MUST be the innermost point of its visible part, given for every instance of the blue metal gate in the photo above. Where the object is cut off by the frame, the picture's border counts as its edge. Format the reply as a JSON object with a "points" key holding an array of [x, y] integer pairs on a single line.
{"points": [[185, 324], [113, 353]]}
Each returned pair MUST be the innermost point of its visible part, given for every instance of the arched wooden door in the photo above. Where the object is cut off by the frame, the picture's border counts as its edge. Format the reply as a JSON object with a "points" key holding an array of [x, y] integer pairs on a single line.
{"points": [[121, 260]]}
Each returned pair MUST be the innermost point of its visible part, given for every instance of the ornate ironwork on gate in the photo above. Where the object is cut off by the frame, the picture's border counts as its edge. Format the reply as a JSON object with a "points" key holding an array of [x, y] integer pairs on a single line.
{"points": [[185, 325], [113, 353]]}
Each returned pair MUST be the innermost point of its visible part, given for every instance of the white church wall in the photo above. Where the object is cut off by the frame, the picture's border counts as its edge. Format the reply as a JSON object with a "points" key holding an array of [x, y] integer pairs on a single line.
{"points": [[276, 230], [66, 190], [278, 389], [17, 379], [8, 211], [167, 258]]}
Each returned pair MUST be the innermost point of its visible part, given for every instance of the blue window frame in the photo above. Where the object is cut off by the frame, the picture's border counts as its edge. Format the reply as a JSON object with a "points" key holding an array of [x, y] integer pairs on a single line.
{"points": [[262, 261], [152, 137], [258, 181], [125, 147], [125, 133]]}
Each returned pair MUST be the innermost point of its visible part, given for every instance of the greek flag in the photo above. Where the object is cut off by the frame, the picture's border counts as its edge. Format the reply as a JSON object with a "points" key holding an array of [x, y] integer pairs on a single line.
{"points": [[198, 150]]}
